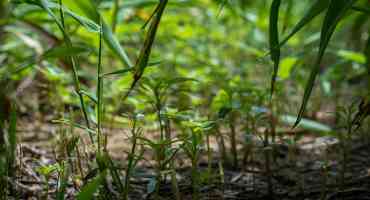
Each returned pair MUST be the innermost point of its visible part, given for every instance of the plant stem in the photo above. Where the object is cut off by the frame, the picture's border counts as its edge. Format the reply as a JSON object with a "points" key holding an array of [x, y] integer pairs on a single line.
{"points": [[74, 69], [233, 142], [99, 91]]}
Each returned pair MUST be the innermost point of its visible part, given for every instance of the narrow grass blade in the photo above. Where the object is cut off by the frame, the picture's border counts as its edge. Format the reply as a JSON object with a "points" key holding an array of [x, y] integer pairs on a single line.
{"points": [[68, 122], [334, 14], [91, 11], [274, 40], [99, 91], [64, 51], [60, 24], [91, 96], [142, 61], [118, 72], [361, 9], [12, 138], [316, 8]]}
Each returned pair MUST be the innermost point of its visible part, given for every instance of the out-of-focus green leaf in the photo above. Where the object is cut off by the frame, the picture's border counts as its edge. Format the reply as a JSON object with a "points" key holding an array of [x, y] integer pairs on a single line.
{"points": [[352, 56], [64, 51], [222, 99], [274, 40], [89, 8], [335, 12], [305, 124], [286, 66], [85, 22], [317, 7], [90, 95], [88, 191]]}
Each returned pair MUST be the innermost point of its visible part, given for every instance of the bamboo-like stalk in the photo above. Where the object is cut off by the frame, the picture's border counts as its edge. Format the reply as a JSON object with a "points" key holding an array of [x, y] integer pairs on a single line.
{"points": [[72, 60], [99, 91]]}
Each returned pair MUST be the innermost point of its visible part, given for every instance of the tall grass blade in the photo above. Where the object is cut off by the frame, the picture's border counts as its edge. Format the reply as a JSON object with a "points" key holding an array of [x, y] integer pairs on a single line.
{"points": [[12, 139], [91, 11], [99, 91], [334, 14], [61, 26], [317, 7], [143, 59], [274, 40]]}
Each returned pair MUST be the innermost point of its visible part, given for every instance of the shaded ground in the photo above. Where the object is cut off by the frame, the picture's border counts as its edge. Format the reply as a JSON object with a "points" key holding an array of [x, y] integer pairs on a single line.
{"points": [[313, 173]]}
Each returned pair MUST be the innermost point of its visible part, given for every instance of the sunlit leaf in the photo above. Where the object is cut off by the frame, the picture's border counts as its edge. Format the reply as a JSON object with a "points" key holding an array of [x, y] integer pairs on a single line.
{"points": [[352, 56], [286, 66]]}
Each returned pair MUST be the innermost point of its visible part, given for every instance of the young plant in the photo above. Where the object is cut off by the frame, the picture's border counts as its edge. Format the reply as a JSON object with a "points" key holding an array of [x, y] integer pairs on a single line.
{"points": [[47, 171], [346, 115], [193, 141], [164, 154], [133, 157], [157, 91], [227, 107]]}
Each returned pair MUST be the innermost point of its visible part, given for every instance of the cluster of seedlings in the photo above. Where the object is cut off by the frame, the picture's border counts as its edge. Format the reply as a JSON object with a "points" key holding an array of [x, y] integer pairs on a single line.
{"points": [[88, 167]]}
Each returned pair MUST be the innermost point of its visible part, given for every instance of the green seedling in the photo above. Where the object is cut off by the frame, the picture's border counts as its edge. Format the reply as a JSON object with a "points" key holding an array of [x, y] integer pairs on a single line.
{"points": [[47, 171], [346, 116], [133, 157], [164, 153], [193, 141]]}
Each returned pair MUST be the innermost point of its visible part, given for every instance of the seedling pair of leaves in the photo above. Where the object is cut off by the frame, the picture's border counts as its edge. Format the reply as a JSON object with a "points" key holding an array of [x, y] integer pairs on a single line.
{"points": [[335, 10]]}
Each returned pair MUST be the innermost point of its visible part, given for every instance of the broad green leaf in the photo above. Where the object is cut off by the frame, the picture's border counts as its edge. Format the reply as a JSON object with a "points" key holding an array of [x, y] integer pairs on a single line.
{"points": [[317, 7], [352, 56], [88, 191], [286, 66], [335, 12], [64, 51], [305, 124], [274, 40]]}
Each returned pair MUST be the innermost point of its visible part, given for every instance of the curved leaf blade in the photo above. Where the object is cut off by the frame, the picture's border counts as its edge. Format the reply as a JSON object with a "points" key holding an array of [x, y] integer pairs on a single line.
{"points": [[274, 40], [317, 8], [334, 14]]}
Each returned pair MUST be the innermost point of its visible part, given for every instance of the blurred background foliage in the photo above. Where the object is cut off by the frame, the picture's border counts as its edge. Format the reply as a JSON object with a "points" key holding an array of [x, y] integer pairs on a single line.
{"points": [[222, 44]]}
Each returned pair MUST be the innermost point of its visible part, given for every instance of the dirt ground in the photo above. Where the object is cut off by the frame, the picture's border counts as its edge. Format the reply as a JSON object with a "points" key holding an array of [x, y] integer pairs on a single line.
{"points": [[313, 173]]}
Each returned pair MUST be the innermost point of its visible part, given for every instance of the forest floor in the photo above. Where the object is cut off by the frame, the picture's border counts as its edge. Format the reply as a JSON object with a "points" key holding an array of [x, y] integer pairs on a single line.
{"points": [[313, 173]]}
